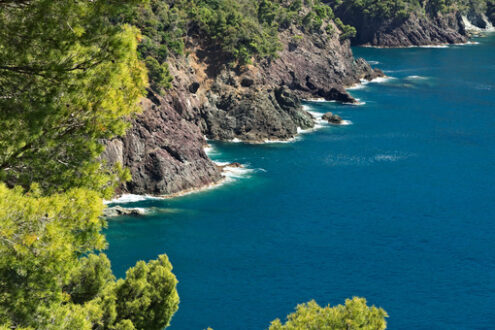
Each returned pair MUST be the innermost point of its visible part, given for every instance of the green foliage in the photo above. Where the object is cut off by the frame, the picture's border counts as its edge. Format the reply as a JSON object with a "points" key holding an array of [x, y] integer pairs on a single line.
{"points": [[347, 31], [69, 78], [435, 6], [148, 296], [242, 29], [375, 9], [235, 27], [44, 282], [89, 279], [40, 241], [367, 10], [355, 314], [159, 75]]}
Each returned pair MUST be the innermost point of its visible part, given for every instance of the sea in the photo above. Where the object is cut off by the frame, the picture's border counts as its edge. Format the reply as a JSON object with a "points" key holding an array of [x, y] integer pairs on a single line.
{"points": [[397, 206]]}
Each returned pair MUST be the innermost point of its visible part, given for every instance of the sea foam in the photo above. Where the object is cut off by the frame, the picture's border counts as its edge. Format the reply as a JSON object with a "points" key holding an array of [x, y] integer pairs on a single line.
{"points": [[233, 173], [130, 198], [363, 82]]}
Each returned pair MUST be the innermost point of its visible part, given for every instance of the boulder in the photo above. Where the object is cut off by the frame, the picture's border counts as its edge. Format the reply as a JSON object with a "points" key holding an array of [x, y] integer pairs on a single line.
{"points": [[332, 118]]}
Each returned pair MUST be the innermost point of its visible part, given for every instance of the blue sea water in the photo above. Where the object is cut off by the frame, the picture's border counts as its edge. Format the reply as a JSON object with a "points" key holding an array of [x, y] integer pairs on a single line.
{"points": [[397, 207]]}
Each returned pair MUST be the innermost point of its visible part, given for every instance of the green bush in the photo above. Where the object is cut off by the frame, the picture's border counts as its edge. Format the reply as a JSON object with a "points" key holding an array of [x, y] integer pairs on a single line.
{"points": [[354, 315]]}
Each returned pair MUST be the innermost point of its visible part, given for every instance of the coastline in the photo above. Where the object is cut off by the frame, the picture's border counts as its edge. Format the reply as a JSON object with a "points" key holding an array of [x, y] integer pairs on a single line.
{"points": [[227, 175], [230, 173], [474, 34]]}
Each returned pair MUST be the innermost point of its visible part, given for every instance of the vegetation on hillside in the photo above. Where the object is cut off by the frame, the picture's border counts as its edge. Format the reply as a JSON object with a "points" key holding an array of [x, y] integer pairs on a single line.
{"points": [[401, 9], [243, 30]]}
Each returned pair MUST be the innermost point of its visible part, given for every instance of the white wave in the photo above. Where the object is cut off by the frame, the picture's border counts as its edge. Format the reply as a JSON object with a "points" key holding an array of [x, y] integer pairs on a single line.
{"points": [[318, 118], [209, 150], [364, 82], [130, 198], [235, 140], [320, 122], [388, 158], [320, 100], [379, 80], [219, 163], [317, 100], [229, 173], [373, 62], [142, 210], [356, 160], [358, 102], [308, 130], [356, 86], [434, 46], [269, 141], [416, 78], [234, 173]]}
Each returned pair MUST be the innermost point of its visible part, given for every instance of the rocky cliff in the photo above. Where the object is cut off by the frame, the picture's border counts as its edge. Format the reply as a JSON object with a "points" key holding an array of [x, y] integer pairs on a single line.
{"points": [[418, 27], [253, 103], [415, 30]]}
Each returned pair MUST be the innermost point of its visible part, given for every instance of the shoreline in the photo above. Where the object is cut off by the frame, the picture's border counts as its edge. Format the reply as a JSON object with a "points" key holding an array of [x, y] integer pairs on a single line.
{"points": [[439, 45], [226, 178], [229, 174], [318, 124]]}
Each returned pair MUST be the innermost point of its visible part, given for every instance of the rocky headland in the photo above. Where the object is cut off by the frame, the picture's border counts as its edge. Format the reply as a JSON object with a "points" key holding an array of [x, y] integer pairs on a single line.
{"points": [[210, 98], [164, 149], [424, 26]]}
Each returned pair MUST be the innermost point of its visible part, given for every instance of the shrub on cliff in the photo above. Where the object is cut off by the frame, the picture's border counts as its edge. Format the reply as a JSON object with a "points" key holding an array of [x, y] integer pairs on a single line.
{"points": [[355, 314], [242, 29]]}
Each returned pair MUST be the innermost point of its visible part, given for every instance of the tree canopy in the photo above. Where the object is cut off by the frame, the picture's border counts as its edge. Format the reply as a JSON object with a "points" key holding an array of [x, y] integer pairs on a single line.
{"points": [[70, 77], [355, 314]]}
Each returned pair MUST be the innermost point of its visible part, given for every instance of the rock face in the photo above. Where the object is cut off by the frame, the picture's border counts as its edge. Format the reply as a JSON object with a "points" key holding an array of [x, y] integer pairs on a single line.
{"points": [[163, 151], [415, 30], [253, 103]]}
